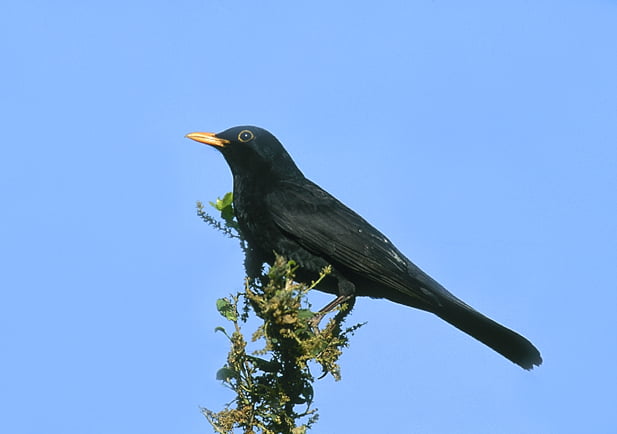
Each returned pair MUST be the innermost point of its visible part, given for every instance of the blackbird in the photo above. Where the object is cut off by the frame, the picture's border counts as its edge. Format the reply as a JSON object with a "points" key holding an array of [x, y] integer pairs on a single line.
{"points": [[279, 210]]}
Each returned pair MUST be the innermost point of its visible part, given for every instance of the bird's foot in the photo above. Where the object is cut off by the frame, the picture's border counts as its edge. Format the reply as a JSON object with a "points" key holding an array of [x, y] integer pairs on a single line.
{"points": [[314, 322]]}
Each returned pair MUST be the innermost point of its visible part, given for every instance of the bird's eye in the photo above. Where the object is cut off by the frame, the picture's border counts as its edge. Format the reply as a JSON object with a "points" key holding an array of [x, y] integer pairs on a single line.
{"points": [[245, 136]]}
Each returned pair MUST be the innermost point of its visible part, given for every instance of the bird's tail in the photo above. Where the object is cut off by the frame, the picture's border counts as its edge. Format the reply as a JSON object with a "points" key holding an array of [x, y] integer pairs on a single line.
{"points": [[501, 339]]}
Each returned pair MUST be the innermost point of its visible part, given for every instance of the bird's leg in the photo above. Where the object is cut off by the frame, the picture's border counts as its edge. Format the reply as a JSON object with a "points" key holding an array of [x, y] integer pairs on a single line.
{"points": [[334, 303], [327, 309], [346, 291]]}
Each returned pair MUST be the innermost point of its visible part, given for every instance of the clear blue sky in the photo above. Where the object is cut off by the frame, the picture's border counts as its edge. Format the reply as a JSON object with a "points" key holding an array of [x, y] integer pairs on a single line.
{"points": [[480, 136]]}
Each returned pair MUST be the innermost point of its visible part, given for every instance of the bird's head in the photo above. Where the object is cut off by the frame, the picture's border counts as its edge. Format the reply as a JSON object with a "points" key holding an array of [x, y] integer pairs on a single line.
{"points": [[251, 151]]}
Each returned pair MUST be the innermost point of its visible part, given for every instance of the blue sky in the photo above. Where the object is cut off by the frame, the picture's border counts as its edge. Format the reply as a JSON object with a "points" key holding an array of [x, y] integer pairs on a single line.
{"points": [[481, 137]]}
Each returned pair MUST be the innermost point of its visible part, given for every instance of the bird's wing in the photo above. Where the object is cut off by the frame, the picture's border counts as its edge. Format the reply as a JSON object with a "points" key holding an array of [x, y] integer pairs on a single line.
{"points": [[326, 227]]}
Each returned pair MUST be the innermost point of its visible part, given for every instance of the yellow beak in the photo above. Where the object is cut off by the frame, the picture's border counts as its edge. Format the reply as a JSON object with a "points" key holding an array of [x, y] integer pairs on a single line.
{"points": [[208, 139]]}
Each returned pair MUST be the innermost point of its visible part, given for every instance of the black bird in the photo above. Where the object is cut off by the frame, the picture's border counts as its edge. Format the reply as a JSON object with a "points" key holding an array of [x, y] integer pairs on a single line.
{"points": [[279, 210]]}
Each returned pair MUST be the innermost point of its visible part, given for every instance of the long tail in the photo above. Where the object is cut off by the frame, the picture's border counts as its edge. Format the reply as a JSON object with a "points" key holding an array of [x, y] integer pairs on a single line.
{"points": [[501, 339]]}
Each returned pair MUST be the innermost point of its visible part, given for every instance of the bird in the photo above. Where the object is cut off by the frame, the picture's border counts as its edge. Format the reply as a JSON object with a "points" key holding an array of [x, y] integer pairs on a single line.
{"points": [[280, 211]]}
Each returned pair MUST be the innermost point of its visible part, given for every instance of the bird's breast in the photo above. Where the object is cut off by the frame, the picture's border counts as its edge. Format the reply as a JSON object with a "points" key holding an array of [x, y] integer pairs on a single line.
{"points": [[253, 217]]}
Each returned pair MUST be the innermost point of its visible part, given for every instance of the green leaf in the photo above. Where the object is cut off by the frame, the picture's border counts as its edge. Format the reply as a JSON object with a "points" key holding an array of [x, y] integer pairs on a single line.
{"points": [[227, 199], [223, 203], [227, 309], [308, 393], [225, 374], [305, 314], [227, 213], [225, 206], [264, 365]]}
